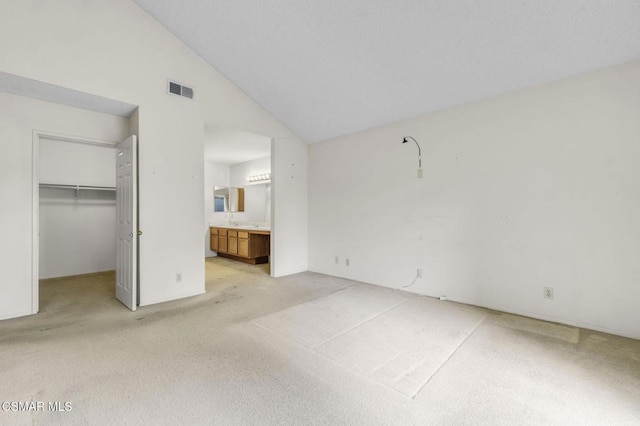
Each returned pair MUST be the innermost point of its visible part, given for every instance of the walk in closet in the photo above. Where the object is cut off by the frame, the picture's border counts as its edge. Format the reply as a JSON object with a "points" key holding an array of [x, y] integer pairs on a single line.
{"points": [[77, 205]]}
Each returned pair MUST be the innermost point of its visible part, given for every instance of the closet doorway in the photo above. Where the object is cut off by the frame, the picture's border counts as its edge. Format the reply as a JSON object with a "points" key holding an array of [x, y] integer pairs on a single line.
{"points": [[85, 211]]}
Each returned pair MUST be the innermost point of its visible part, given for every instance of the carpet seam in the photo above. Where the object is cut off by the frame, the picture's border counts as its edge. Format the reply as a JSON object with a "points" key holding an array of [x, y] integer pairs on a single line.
{"points": [[334, 362], [450, 356], [359, 324]]}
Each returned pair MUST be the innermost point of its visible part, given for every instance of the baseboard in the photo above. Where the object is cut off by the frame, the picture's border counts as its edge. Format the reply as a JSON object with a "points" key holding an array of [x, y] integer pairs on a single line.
{"points": [[289, 272], [578, 324], [585, 326], [87, 275], [16, 315], [548, 318], [170, 299]]}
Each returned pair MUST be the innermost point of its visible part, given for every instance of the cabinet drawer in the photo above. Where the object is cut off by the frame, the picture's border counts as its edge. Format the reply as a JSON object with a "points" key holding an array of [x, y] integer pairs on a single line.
{"points": [[232, 233], [214, 231], [222, 232], [243, 234]]}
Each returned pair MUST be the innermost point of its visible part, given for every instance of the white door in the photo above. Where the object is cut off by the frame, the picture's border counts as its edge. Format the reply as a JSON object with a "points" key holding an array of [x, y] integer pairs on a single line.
{"points": [[127, 226]]}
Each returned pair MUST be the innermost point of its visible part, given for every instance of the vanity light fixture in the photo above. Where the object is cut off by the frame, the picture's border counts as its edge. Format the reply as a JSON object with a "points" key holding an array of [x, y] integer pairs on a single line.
{"points": [[405, 140], [264, 177]]}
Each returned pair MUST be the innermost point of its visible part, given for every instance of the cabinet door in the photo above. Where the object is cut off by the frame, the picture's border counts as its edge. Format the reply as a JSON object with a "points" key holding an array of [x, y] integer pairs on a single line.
{"points": [[222, 243], [243, 247], [233, 245], [214, 239]]}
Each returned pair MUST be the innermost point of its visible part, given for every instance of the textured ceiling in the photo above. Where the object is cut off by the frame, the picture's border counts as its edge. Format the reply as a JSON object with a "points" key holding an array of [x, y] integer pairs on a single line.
{"points": [[331, 67]]}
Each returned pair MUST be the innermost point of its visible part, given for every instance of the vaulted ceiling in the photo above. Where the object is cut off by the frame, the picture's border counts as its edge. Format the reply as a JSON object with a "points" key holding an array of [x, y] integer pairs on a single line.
{"points": [[331, 67]]}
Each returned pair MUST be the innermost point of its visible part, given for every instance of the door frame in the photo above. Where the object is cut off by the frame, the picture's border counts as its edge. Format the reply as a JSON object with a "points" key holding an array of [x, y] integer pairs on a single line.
{"points": [[35, 167]]}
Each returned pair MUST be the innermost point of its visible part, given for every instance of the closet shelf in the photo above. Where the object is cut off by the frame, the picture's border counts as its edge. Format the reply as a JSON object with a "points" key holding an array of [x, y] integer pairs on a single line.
{"points": [[78, 187]]}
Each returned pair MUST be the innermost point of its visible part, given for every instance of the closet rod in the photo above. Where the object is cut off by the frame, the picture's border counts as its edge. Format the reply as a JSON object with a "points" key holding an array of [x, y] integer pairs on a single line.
{"points": [[78, 187]]}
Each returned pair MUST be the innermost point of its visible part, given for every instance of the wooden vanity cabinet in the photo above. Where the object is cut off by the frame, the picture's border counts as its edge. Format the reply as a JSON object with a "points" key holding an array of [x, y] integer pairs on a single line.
{"points": [[250, 246], [214, 239], [222, 240], [243, 243], [232, 241]]}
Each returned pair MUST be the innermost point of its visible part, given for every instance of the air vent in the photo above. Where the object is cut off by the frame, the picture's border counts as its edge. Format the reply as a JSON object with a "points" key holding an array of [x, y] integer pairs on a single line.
{"points": [[175, 88], [187, 92], [180, 90]]}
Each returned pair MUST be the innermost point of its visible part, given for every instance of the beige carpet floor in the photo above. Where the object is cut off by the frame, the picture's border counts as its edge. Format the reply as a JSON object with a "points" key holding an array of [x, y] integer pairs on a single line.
{"points": [[305, 349]]}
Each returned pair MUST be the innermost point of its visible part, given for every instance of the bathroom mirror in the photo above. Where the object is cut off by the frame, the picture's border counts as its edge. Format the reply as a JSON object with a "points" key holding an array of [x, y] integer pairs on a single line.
{"points": [[228, 199]]}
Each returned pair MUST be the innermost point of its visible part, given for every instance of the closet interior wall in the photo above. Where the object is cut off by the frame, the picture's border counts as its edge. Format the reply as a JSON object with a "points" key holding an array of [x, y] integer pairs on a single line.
{"points": [[77, 208]]}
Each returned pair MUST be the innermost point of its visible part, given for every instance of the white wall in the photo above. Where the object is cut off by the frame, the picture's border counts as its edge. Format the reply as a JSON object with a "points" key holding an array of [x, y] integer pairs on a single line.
{"points": [[536, 188], [290, 208], [19, 116], [77, 234], [255, 196], [71, 163], [115, 50], [258, 203]]}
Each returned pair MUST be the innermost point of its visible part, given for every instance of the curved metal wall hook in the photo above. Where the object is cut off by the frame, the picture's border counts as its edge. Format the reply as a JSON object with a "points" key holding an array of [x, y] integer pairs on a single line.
{"points": [[405, 140]]}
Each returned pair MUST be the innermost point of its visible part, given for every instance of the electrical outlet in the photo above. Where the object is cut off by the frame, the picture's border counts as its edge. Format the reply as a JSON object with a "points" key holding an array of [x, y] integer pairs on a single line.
{"points": [[419, 275], [178, 277], [346, 261], [337, 260], [548, 293]]}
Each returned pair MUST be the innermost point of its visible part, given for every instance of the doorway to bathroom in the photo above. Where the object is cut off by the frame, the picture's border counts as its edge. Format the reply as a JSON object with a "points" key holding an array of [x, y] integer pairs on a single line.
{"points": [[238, 196]]}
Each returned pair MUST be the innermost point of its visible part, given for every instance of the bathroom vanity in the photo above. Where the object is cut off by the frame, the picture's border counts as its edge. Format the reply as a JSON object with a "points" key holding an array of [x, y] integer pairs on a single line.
{"points": [[246, 244]]}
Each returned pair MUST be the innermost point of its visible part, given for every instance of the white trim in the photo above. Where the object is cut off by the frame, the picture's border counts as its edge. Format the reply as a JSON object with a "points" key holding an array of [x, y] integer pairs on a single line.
{"points": [[71, 138], [551, 318], [35, 232], [272, 237], [172, 298], [35, 206], [16, 315], [527, 314]]}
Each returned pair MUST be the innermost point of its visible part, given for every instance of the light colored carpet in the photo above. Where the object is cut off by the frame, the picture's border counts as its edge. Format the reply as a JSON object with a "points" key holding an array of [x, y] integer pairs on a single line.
{"points": [[398, 340], [555, 331], [204, 360], [404, 347], [317, 322]]}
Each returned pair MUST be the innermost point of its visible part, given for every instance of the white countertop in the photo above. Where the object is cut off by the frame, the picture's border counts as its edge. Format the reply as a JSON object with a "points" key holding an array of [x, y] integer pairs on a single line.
{"points": [[244, 227]]}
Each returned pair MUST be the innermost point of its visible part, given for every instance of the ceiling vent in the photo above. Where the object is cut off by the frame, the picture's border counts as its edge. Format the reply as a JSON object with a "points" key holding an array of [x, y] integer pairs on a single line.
{"points": [[180, 90]]}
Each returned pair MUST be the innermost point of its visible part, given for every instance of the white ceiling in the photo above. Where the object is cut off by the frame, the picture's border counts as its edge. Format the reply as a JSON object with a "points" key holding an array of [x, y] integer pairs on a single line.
{"points": [[231, 146], [331, 67]]}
